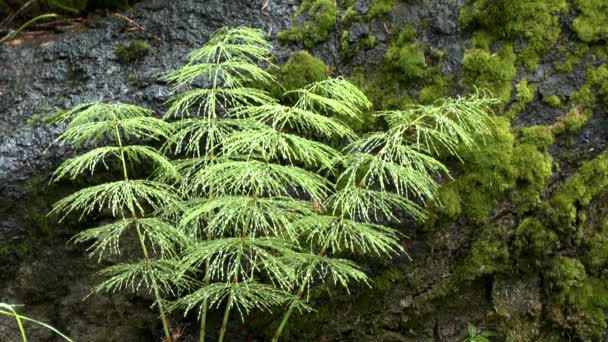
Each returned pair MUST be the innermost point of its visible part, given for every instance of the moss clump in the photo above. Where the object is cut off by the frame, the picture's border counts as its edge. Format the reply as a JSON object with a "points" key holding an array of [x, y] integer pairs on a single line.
{"points": [[487, 173], [316, 19], [597, 79], [573, 57], [505, 166], [380, 8], [552, 101], [565, 273], [596, 250], [488, 255], [591, 24], [300, 70], [405, 56], [578, 302], [577, 192], [132, 50], [525, 95], [571, 122], [535, 20], [533, 167], [540, 136], [494, 72], [532, 238]]}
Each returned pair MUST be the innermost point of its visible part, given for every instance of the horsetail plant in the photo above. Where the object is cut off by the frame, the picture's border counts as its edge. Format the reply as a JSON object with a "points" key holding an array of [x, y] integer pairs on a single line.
{"points": [[227, 65], [381, 172], [270, 202], [129, 200]]}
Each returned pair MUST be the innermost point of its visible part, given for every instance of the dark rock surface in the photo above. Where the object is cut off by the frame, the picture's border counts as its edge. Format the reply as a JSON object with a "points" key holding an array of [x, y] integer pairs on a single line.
{"points": [[72, 68]]}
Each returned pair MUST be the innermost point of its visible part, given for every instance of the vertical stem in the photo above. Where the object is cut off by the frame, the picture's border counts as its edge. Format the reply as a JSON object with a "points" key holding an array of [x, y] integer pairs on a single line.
{"points": [[299, 294], [235, 280], [204, 314], [20, 325], [143, 242]]}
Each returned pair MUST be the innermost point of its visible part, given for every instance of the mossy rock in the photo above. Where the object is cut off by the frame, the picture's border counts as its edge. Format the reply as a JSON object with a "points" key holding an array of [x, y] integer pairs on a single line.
{"points": [[494, 72], [132, 50], [406, 56], [300, 70], [537, 21], [313, 22], [591, 24]]}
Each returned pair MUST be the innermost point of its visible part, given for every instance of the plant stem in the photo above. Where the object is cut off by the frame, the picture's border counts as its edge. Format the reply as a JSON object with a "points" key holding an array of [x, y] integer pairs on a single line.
{"points": [[143, 242], [204, 313], [299, 294], [21, 330]]}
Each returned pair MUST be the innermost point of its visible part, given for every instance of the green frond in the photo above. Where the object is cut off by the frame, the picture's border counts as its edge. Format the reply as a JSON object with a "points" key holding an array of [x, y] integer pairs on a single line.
{"points": [[132, 195], [357, 203], [371, 171], [449, 123], [334, 95], [271, 145], [241, 257], [199, 136], [135, 275], [252, 177], [392, 146], [94, 132], [339, 271], [246, 296], [87, 162], [99, 111], [234, 43], [342, 234], [106, 238], [239, 215], [210, 102], [228, 74], [302, 121]]}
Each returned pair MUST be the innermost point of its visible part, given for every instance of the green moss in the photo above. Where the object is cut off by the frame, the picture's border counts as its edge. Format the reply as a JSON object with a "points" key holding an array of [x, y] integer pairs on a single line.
{"points": [[405, 56], [438, 89], [380, 8], [571, 122], [449, 200], [596, 250], [533, 168], [488, 255], [573, 58], [487, 173], [300, 70], [591, 24], [315, 21], [132, 50], [494, 72], [533, 238], [552, 101], [540, 136], [577, 191], [579, 302], [536, 21], [565, 273], [525, 95]]}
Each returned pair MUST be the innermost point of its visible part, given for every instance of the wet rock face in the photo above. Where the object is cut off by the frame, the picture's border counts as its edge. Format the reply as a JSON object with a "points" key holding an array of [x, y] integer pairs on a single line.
{"points": [[52, 277]]}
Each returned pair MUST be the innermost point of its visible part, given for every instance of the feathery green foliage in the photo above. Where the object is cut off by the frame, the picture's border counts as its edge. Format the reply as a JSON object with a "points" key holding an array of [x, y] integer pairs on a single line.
{"points": [[129, 200], [278, 189]]}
